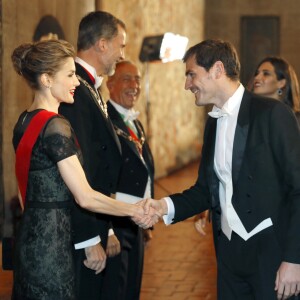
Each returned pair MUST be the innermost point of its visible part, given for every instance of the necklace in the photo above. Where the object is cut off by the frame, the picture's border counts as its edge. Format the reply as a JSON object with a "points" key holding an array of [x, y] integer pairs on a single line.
{"points": [[24, 118], [96, 96], [139, 142]]}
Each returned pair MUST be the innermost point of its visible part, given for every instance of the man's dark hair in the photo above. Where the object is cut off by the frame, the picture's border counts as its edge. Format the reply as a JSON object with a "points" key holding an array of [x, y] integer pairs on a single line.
{"points": [[96, 25], [210, 51]]}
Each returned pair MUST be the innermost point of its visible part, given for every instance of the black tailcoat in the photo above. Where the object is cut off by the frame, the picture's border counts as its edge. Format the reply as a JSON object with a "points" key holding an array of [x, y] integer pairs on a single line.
{"points": [[102, 162], [265, 173], [123, 273]]}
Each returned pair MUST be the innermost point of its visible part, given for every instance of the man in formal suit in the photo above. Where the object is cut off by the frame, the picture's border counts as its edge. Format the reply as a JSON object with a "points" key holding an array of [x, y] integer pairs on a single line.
{"points": [[123, 273], [249, 178], [100, 45]]}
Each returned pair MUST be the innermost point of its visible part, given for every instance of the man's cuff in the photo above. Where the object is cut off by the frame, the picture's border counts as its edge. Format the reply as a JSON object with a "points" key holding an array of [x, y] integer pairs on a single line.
{"points": [[91, 242], [168, 218], [111, 232]]}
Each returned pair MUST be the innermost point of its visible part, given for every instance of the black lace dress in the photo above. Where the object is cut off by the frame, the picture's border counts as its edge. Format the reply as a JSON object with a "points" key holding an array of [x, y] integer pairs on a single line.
{"points": [[43, 267]]}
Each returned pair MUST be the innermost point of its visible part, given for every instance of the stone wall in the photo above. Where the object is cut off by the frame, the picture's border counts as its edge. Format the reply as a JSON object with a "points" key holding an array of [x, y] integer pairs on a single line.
{"points": [[176, 124], [222, 20]]}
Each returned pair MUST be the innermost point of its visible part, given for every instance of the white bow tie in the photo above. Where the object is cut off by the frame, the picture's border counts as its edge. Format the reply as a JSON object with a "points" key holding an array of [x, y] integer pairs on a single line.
{"points": [[218, 113], [131, 115]]}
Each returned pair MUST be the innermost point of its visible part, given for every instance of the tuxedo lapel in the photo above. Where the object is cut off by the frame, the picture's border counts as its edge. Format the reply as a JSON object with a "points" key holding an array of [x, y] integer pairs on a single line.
{"points": [[146, 151], [208, 156], [240, 137], [121, 124], [83, 74], [118, 122], [211, 142], [113, 133]]}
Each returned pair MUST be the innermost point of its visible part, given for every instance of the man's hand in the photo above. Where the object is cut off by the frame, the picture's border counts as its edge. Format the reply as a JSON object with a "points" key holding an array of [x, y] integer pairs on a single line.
{"points": [[200, 222], [160, 206], [95, 258], [287, 281], [145, 218], [113, 247]]}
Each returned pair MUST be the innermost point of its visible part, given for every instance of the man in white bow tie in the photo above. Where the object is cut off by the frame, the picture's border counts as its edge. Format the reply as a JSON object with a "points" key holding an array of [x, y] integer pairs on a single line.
{"points": [[123, 273], [249, 179]]}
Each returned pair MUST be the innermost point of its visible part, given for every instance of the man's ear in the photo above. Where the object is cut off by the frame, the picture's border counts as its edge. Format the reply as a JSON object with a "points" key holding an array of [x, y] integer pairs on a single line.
{"points": [[101, 45], [218, 69]]}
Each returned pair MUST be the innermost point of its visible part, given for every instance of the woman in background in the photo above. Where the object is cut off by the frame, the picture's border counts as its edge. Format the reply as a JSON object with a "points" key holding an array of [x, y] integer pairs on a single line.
{"points": [[43, 267], [275, 78]]}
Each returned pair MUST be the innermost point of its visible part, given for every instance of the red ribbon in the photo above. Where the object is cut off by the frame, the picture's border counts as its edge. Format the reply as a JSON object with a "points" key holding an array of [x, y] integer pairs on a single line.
{"points": [[24, 149], [134, 136]]}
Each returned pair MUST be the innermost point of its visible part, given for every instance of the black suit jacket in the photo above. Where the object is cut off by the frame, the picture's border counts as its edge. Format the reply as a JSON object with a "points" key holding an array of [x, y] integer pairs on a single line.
{"points": [[101, 154], [265, 173], [123, 273], [134, 174]]}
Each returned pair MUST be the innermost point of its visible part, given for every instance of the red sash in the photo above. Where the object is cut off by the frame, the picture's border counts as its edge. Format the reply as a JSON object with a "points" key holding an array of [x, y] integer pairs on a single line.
{"points": [[24, 149], [138, 143]]}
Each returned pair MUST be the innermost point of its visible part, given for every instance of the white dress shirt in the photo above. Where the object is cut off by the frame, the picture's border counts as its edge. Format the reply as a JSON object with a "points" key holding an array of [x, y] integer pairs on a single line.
{"points": [[226, 125]]}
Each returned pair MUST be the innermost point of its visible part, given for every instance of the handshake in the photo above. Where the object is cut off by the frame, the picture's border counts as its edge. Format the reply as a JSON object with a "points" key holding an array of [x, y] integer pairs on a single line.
{"points": [[148, 212]]}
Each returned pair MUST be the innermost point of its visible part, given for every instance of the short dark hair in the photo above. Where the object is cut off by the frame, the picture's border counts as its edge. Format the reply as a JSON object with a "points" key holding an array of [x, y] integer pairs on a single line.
{"points": [[210, 51], [96, 25]]}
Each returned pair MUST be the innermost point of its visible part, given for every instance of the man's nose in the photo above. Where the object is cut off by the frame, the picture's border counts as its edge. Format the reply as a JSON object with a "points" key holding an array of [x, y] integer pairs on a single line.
{"points": [[122, 57], [187, 84]]}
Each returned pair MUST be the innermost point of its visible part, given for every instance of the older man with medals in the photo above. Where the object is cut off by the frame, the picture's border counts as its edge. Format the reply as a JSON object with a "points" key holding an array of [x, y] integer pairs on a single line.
{"points": [[135, 183]]}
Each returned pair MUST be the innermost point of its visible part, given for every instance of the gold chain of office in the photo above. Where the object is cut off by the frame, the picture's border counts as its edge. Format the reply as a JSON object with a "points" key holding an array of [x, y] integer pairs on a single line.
{"points": [[138, 142], [97, 98]]}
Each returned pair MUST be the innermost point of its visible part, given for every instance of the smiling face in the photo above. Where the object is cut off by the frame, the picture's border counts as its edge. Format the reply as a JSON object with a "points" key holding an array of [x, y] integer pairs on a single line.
{"points": [[125, 85], [200, 82], [114, 52], [64, 82], [265, 81]]}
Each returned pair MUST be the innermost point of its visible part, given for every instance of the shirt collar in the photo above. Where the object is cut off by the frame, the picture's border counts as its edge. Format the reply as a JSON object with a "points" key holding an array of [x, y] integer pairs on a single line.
{"points": [[127, 114], [91, 70], [233, 103]]}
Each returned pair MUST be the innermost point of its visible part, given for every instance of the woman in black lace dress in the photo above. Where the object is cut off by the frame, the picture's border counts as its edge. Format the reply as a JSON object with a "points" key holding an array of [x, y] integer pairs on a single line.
{"points": [[43, 266]]}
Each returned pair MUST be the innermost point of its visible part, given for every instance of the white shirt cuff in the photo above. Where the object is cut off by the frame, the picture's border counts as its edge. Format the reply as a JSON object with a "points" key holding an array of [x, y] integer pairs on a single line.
{"points": [[111, 232], [91, 242], [127, 198], [168, 218]]}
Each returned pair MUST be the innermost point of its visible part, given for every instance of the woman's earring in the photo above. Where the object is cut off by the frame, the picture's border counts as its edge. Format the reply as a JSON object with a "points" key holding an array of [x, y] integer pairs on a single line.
{"points": [[279, 92]]}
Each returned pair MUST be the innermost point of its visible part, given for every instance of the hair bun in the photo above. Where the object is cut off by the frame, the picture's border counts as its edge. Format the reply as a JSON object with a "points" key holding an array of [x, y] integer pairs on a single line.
{"points": [[19, 55]]}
